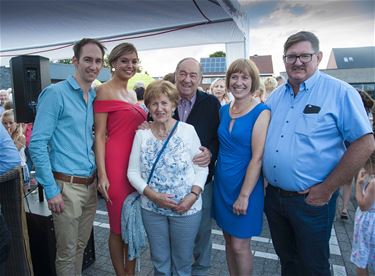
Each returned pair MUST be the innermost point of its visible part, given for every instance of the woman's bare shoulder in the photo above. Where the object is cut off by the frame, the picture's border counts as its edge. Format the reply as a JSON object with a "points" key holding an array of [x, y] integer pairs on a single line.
{"points": [[104, 91]]}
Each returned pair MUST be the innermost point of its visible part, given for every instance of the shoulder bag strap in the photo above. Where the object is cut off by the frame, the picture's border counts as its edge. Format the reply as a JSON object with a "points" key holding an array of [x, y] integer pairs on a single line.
{"points": [[161, 151]]}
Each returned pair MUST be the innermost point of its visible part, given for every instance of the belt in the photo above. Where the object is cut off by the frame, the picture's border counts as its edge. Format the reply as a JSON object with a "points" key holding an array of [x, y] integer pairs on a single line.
{"points": [[284, 193], [74, 179]]}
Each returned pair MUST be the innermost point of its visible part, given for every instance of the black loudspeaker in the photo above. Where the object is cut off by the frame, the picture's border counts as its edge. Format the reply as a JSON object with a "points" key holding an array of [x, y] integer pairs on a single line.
{"points": [[42, 238], [30, 75]]}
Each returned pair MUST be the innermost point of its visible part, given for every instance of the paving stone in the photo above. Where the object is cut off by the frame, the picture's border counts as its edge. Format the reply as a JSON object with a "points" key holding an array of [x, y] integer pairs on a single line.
{"points": [[261, 266]]}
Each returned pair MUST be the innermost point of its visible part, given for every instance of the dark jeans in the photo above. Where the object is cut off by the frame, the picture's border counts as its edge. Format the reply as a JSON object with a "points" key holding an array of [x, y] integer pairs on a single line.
{"points": [[300, 233]]}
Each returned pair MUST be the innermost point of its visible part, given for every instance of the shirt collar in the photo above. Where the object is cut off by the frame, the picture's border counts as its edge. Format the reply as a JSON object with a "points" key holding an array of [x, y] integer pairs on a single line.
{"points": [[74, 84], [191, 101], [307, 85]]}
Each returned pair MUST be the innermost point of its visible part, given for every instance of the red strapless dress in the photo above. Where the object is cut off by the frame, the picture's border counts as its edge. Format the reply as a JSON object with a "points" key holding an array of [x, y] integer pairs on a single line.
{"points": [[122, 123]]}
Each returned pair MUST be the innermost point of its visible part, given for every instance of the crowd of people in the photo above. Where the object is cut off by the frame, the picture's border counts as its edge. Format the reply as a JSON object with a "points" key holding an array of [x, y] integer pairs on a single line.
{"points": [[247, 147]]}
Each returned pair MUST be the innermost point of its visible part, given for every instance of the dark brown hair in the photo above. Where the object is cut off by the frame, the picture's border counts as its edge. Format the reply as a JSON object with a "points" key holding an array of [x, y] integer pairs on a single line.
{"points": [[84, 41], [302, 36], [367, 100]]}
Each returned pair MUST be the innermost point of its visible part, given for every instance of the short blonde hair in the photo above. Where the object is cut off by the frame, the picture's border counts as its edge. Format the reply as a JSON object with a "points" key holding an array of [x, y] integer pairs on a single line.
{"points": [[18, 132], [242, 65], [262, 92], [7, 113], [161, 87], [215, 81], [270, 83]]}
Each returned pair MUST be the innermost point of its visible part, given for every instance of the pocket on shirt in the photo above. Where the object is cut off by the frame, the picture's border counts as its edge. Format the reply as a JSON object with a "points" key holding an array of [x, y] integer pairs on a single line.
{"points": [[307, 124]]}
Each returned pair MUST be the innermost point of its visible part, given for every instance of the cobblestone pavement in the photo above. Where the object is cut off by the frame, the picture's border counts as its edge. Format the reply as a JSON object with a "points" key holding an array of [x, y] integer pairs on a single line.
{"points": [[265, 260]]}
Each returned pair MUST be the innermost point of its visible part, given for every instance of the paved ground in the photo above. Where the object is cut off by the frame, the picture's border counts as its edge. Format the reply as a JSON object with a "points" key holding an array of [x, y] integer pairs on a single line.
{"points": [[265, 260]]}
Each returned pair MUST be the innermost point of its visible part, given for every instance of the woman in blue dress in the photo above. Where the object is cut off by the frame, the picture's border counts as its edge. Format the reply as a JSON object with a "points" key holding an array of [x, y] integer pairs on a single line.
{"points": [[238, 190]]}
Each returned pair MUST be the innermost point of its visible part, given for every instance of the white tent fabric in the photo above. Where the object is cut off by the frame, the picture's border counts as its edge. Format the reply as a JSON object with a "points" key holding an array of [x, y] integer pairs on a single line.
{"points": [[49, 27]]}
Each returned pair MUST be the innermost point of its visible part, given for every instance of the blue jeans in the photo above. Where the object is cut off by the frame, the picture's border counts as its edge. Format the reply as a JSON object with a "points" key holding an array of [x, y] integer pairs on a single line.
{"points": [[171, 240], [300, 233]]}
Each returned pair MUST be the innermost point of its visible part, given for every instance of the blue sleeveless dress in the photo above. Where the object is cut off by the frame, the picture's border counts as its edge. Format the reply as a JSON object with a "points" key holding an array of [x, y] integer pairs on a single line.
{"points": [[234, 157]]}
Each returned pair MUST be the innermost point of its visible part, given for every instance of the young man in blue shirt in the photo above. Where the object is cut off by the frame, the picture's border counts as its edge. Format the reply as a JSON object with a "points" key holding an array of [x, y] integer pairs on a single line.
{"points": [[61, 149]]}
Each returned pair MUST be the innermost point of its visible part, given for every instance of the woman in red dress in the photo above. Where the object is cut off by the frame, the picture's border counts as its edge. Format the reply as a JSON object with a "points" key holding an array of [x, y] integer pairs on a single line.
{"points": [[116, 119]]}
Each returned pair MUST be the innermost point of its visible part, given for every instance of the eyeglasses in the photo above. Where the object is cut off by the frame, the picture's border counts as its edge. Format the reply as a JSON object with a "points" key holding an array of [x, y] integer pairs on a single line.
{"points": [[303, 58]]}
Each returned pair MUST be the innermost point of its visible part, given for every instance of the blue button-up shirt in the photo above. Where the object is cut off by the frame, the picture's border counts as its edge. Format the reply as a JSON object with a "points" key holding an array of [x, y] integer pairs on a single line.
{"points": [[62, 137], [9, 155], [305, 139]]}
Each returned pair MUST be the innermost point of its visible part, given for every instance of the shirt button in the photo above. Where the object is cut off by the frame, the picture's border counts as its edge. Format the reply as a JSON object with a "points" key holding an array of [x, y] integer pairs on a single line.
{"points": [[275, 180], [287, 121], [292, 107], [282, 136], [274, 166], [277, 150]]}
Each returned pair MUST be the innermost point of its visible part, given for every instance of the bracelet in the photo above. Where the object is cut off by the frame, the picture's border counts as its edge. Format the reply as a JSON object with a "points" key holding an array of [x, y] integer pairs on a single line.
{"points": [[194, 193]]}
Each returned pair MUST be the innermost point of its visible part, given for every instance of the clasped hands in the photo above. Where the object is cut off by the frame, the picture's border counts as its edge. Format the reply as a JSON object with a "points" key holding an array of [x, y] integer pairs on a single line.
{"points": [[167, 201]]}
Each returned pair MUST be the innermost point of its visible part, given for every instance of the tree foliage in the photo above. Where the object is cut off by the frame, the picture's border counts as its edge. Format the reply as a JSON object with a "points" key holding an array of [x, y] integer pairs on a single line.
{"points": [[218, 54], [65, 61]]}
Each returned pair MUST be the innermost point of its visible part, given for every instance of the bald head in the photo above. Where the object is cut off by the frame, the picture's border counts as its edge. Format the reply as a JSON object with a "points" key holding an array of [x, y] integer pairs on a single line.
{"points": [[191, 60]]}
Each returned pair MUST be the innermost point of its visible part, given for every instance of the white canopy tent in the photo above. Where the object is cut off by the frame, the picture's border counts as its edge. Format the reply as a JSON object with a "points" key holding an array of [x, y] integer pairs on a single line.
{"points": [[49, 27]]}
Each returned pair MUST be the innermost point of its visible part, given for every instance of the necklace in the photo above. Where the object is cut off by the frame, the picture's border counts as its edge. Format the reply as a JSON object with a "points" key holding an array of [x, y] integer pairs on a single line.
{"points": [[163, 134], [240, 111]]}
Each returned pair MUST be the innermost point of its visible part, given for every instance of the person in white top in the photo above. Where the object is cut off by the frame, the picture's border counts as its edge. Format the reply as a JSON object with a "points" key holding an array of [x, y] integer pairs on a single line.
{"points": [[171, 202]]}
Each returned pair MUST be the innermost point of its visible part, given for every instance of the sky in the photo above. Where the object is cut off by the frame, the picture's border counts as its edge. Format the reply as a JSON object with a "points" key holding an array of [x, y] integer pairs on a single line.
{"points": [[337, 24]]}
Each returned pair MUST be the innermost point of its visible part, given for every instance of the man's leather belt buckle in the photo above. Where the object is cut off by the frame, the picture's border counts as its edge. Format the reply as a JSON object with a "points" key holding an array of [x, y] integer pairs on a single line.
{"points": [[284, 193], [74, 179]]}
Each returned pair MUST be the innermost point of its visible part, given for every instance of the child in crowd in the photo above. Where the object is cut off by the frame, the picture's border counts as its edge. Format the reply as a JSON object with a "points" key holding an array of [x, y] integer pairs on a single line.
{"points": [[363, 250], [16, 132]]}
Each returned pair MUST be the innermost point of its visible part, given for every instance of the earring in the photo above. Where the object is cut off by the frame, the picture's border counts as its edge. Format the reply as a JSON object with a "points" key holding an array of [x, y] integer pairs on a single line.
{"points": [[113, 69]]}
